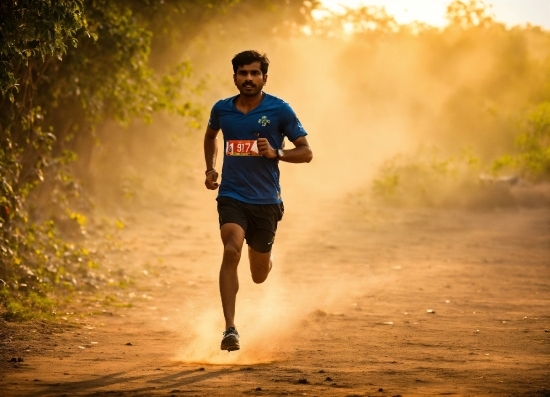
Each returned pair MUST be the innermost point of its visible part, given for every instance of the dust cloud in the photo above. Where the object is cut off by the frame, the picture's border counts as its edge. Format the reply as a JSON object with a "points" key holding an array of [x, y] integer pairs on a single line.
{"points": [[272, 318]]}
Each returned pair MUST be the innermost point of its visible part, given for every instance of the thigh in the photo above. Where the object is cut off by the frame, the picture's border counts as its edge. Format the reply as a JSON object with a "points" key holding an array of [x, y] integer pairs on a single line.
{"points": [[258, 260], [262, 226], [233, 223], [232, 235], [232, 211]]}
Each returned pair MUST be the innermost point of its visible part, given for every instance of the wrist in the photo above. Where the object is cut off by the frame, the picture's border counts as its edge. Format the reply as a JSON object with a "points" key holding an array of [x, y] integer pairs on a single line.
{"points": [[209, 171], [279, 153]]}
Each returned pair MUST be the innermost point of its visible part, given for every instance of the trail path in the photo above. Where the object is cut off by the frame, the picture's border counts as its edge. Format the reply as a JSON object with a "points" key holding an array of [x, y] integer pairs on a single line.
{"points": [[360, 302]]}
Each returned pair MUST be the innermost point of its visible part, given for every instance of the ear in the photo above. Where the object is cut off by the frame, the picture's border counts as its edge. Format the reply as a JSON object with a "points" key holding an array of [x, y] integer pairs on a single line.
{"points": [[265, 78]]}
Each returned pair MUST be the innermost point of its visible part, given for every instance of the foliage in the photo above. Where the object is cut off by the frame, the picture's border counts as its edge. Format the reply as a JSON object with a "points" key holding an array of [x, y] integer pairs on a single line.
{"points": [[429, 178], [426, 177], [532, 160], [364, 20], [467, 14], [265, 18], [35, 31], [42, 263], [374, 21]]}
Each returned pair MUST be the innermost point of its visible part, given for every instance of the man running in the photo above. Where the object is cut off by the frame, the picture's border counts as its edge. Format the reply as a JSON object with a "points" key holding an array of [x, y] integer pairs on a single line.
{"points": [[254, 125]]}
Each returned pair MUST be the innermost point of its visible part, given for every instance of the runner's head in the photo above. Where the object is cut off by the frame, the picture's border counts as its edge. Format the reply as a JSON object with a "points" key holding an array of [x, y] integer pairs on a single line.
{"points": [[250, 75], [248, 57]]}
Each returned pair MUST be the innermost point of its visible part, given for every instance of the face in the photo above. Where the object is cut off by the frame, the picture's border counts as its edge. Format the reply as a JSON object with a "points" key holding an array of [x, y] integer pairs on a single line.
{"points": [[249, 79]]}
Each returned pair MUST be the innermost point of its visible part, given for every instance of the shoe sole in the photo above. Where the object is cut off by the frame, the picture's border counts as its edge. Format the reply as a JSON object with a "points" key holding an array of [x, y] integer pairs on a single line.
{"points": [[231, 344], [230, 348]]}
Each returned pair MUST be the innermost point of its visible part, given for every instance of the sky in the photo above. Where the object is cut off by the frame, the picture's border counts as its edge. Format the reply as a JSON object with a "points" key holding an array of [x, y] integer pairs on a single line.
{"points": [[509, 12]]}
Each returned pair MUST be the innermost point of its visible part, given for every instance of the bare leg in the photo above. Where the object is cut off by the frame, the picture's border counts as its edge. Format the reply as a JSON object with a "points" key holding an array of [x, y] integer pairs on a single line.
{"points": [[232, 238], [260, 265]]}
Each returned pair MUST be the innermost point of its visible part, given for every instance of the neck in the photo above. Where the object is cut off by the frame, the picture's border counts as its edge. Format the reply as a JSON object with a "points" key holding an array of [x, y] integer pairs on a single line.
{"points": [[247, 103]]}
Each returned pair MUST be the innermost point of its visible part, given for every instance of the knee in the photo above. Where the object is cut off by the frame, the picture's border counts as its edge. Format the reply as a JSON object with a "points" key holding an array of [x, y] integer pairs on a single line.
{"points": [[260, 275], [259, 278], [231, 255]]}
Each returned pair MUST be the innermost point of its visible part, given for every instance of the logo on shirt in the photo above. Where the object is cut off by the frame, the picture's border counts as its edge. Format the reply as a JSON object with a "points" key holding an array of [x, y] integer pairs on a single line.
{"points": [[263, 121]]}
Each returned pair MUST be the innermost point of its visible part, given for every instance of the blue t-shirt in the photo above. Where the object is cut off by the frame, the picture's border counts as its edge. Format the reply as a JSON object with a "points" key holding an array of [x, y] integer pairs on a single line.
{"points": [[254, 179]]}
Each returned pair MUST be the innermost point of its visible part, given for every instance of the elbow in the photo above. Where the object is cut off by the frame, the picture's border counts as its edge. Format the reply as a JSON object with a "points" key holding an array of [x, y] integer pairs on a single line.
{"points": [[309, 156]]}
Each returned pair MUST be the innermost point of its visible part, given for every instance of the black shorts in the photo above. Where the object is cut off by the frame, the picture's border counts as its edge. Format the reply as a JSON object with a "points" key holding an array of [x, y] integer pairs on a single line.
{"points": [[259, 221]]}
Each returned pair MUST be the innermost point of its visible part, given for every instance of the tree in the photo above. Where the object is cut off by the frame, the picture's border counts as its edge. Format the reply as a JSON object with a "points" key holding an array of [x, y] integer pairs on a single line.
{"points": [[365, 20], [469, 13]]}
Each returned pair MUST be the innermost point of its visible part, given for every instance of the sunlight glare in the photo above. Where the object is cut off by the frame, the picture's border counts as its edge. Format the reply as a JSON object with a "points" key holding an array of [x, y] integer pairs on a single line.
{"points": [[431, 12]]}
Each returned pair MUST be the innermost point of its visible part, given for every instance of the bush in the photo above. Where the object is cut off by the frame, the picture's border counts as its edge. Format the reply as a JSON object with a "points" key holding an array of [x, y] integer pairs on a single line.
{"points": [[426, 178], [532, 160]]}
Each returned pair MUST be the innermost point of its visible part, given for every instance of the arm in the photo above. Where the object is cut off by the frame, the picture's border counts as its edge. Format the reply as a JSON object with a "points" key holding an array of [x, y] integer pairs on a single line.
{"points": [[210, 154], [301, 153]]}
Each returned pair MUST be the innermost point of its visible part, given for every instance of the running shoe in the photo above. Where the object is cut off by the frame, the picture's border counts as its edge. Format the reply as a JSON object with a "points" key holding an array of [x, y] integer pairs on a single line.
{"points": [[230, 341]]}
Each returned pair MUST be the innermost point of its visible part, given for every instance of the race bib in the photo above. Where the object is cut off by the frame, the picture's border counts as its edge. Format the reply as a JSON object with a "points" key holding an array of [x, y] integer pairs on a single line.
{"points": [[241, 148]]}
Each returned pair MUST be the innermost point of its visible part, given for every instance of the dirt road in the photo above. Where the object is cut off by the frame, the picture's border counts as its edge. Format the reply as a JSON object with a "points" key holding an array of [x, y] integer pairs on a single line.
{"points": [[361, 301]]}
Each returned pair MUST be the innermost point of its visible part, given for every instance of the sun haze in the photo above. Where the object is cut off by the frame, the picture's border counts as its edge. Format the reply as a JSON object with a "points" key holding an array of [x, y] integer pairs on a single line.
{"points": [[431, 12]]}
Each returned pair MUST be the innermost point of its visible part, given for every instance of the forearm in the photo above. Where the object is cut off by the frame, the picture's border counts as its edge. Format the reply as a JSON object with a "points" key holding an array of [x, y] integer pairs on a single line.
{"points": [[210, 151], [299, 154]]}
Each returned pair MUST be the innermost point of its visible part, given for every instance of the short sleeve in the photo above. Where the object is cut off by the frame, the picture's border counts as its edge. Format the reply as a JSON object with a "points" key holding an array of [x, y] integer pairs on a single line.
{"points": [[214, 121], [291, 126]]}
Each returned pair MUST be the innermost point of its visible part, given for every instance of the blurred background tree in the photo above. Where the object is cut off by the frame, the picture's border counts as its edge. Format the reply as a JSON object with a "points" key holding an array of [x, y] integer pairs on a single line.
{"points": [[467, 14]]}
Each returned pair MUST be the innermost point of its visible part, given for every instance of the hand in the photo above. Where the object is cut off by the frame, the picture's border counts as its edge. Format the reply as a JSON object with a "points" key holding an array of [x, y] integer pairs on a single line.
{"points": [[211, 181], [265, 149]]}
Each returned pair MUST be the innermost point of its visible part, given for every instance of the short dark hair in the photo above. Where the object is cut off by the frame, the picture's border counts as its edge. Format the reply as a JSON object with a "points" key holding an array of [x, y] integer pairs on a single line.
{"points": [[248, 57]]}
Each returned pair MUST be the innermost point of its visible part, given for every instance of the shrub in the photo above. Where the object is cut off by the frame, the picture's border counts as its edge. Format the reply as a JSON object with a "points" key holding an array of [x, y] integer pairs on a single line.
{"points": [[425, 177], [532, 159]]}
